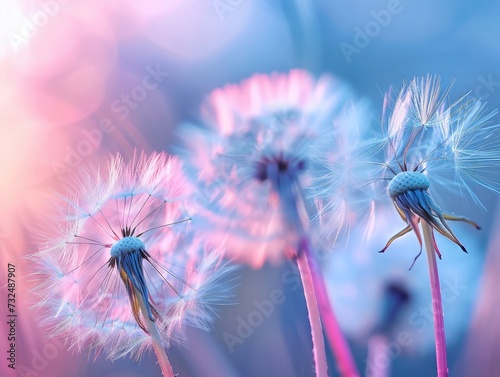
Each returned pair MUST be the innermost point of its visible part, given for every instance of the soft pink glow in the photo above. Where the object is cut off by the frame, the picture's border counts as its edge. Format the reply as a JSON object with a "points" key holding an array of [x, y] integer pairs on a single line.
{"points": [[219, 31], [65, 73]]}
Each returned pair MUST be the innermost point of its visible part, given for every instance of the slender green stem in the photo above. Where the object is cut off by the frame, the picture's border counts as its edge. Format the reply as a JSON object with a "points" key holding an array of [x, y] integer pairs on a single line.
{"points": [[161, 354], [437, 306]]}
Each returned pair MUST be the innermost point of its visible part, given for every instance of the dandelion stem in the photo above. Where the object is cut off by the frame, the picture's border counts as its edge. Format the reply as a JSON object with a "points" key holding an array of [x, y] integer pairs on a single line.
{"points": [[314, 285], [314, 316], [161, 355], [437, 306], [379, 362], [340, 347]]}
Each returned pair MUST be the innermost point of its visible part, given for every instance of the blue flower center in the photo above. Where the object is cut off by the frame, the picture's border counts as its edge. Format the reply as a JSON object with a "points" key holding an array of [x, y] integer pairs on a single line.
{"points": [[126, 246], [407, 181]]}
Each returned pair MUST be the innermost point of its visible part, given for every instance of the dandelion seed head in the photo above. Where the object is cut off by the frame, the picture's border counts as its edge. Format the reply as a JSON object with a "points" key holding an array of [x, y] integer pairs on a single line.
{"points": [[126, 245], [123, 237], [429, 140], [407, 181], [455, 142], [260, 152]]}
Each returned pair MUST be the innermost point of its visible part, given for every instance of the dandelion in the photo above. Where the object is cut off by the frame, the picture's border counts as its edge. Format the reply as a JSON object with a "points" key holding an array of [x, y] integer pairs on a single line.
{"points": [[394, 301], [119, 276], [375, 315], [255, 160], [436, 147]]}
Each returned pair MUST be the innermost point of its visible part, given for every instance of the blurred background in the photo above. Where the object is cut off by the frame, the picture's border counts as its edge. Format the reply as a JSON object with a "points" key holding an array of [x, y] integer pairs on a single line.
{"points": [[83, 79]]}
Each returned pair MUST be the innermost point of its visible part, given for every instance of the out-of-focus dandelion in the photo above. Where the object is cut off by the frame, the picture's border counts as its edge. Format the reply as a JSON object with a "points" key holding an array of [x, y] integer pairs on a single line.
{"points": [[256, 158], [394, 300], [432, 145], [116, 276], [479, 355]]}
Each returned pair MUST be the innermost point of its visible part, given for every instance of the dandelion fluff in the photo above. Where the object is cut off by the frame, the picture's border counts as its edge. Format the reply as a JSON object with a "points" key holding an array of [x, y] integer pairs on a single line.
{"points": [[120, 272]]}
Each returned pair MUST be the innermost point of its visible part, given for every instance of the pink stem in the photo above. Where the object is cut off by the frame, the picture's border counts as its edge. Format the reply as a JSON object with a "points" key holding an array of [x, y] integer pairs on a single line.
{"points": [[161, 355], [345, 361], [314, 316], [315, 290], [437, 306]]}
